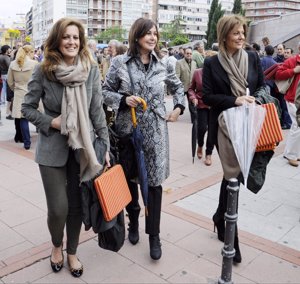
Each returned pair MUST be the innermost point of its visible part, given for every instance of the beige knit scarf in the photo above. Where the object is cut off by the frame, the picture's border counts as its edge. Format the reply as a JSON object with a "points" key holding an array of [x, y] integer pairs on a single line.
{"points": [[75, 115], [236, 67]]}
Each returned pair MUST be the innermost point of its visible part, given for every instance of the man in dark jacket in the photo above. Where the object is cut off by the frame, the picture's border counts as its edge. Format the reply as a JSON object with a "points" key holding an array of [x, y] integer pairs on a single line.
{"points": [[4, 65], [279, 58], [266, 62]]}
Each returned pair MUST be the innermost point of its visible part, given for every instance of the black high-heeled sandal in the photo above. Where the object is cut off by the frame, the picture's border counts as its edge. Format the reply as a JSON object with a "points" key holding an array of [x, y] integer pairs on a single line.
{"points": [[75, 272], [220, 224], [57, 266]]}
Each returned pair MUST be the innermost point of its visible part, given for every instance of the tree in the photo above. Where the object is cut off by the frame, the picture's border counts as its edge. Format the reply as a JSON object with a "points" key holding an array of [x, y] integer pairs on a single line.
{"points": [[180, 39], [172, 33], [213, 7], [212, 37], [13, 34], [27, 39], [116, 32], [237, 8]]}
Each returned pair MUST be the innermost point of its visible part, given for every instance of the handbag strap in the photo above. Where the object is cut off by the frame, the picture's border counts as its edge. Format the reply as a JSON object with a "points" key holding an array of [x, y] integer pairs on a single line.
{"points": [[131, 80]]}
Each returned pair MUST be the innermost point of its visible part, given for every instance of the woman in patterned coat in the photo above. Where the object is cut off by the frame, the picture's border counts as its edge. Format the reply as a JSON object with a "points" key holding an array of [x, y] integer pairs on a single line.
{"points": [[149, 75]]}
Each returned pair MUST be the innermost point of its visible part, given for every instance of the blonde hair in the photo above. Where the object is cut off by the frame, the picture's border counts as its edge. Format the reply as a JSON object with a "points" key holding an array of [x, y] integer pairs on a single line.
{"points": [[225, 25], [210, 53], [22, 52], [52, 55]]}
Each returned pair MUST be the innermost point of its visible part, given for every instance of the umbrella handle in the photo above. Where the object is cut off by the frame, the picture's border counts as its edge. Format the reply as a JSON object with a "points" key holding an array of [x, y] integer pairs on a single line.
{"points": [[133, 114]]}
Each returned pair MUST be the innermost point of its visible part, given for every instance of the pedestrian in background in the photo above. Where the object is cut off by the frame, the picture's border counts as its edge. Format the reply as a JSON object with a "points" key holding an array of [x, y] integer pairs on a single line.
{"points": [[185, 69], [279, 58], [149, 75], [290, 68], [19, 73], [226, 77], [68, 83], [199, 54], [195, 97], [5, 60]]}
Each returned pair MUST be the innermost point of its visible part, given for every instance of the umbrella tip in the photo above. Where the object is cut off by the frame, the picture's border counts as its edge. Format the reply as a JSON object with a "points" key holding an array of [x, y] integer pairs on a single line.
{"points": [[193, 160]]}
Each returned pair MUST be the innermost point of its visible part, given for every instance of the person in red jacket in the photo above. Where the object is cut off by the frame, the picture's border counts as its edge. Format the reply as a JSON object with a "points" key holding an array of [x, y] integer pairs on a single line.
{"points": [[288, 69], [195, 97]]}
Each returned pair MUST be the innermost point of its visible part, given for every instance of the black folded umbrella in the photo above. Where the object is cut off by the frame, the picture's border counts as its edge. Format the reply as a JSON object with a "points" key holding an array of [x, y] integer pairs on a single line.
{"points": [[137, 141], [194, 131]]}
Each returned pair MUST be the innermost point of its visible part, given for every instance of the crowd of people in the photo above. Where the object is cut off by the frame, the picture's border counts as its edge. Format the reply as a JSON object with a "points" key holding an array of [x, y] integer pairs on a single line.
{"points": [[65, 86]]}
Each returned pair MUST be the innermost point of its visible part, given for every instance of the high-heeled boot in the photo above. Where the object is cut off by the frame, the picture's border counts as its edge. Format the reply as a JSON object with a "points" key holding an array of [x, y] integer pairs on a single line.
{"points": [[219, 223], [238, 257], [155, 247]]}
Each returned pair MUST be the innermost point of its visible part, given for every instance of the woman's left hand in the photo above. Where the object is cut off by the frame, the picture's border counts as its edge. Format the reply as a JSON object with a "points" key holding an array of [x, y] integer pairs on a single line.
{"points": [[244, 99], [173, 116], [107, 160]]}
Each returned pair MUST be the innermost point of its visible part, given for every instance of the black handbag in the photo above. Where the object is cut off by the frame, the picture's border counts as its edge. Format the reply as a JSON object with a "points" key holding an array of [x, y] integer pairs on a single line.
{"points": [[113, 238], [123, 150], [258, 170], [122, 146]]}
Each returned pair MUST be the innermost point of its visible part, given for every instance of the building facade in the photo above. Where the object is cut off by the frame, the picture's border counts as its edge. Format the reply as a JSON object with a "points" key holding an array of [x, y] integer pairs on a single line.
{"points": [[257, 10], [193, 12], [98, 15]]}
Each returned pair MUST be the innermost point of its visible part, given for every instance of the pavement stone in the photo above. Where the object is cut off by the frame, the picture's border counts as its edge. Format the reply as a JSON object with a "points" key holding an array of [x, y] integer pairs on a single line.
{"points": [[269, 225]]}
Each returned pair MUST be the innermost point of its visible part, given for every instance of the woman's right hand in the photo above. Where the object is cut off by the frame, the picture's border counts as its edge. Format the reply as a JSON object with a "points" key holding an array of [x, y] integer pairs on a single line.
{"points": [[244, 99], [195, 102], [56, 122], [133, 101]]}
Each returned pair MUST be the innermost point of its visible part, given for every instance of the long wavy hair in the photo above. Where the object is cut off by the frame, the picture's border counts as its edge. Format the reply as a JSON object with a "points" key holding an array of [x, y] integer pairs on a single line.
{"points": [[138, 30], [22, 52], [52, 55]]}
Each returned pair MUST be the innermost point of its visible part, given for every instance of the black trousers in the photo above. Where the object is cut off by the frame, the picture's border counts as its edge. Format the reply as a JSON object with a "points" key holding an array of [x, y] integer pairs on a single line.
{"points": [[154, 207], [202, 122]]}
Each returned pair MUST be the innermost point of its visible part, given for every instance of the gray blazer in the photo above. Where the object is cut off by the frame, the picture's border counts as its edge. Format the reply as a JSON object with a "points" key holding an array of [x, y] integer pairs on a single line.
{"points": [[52, 147]]}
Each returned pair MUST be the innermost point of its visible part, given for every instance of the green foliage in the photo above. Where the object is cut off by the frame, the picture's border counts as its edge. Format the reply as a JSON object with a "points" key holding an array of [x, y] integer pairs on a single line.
{"points": [[173, 32], [117, 33], [179, 39], [212, 36], [237, 8], [213, 7], [27, 39], [14, 33]]}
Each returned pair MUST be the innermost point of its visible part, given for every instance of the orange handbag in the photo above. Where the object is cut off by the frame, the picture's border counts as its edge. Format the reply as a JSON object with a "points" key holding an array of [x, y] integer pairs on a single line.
{"points": [[112, 191], [271, 132]]}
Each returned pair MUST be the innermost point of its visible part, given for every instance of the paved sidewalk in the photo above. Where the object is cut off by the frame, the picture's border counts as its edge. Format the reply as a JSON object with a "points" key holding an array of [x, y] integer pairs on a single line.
{"points": [[269, 224]]}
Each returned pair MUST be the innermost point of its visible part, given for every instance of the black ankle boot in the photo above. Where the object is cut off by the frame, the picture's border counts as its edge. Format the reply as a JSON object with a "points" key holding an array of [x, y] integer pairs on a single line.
{"points": [[237, 258], [219, 222], [133, 233], [155, 247]]}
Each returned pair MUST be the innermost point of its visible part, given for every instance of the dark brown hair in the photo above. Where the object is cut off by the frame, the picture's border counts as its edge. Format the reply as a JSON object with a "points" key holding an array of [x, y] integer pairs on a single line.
{"points": [[138, 30], [52, 55]]}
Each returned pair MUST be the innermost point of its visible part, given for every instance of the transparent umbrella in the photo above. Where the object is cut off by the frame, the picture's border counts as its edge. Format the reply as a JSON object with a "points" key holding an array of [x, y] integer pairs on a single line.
{"points": [[244, 124]]}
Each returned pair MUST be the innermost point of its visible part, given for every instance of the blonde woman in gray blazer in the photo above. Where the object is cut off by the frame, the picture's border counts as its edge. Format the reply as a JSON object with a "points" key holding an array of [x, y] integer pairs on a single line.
{"points": [[68, 83]]}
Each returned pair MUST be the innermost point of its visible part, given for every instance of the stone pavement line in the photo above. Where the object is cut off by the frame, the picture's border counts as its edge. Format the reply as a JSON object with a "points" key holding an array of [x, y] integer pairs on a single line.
{"points": [[272, 248], [9, 146], [33, 255]]}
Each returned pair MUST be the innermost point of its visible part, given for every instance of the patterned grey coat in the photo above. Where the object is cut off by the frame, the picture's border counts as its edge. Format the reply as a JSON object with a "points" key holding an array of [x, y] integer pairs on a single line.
{"points": [[149, 85]]}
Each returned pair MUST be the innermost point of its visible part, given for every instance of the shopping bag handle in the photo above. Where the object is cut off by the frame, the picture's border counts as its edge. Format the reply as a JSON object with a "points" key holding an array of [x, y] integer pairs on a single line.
{"points": [[133, 114]]}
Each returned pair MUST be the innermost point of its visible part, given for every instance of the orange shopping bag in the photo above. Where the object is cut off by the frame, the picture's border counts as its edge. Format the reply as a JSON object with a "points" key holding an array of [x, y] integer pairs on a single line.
{"points": [[112, 191], [271, 132]]}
